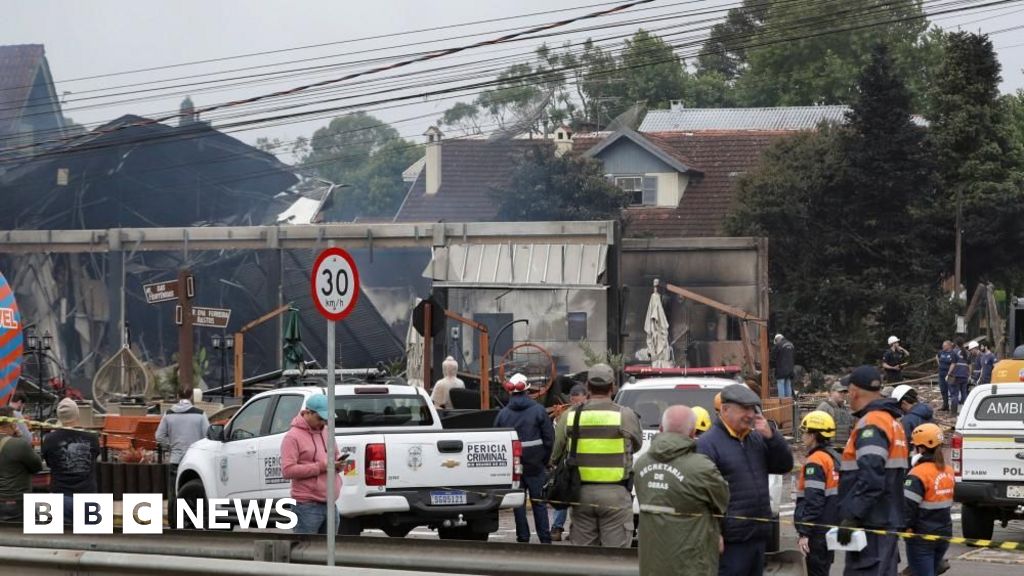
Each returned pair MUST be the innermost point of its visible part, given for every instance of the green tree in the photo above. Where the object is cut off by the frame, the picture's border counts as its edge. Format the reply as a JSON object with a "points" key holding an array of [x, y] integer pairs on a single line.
{"points": [[841, 207], [368, 156], [811, 52], [543, 186], [724, 53], [980, 163]]}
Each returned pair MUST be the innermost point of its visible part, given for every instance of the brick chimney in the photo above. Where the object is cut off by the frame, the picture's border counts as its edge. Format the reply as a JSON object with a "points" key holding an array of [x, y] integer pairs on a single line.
{"points": [[432, 168], [563, 140]]}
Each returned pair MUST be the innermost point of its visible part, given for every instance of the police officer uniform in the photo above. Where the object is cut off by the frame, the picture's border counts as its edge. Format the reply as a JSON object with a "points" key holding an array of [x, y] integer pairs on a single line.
{"points": [[609, 435], [872, 471]]}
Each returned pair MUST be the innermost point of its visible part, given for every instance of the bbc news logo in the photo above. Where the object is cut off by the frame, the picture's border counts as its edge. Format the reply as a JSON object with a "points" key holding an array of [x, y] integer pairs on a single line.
{"points": [[144, 514]]}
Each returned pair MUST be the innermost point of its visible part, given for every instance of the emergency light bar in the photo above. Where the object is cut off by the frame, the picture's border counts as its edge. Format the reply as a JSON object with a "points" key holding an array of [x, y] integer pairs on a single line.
{"points": [[696, 371]]}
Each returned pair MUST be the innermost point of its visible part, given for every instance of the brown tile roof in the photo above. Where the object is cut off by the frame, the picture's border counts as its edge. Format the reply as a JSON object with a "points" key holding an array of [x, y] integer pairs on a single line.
{"points": [[19, 65], [470, 169], [722, 157]]}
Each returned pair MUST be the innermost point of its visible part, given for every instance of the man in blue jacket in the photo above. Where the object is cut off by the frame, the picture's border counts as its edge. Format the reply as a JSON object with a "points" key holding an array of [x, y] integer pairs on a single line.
{"points": [[537, 435], [746, 450]]}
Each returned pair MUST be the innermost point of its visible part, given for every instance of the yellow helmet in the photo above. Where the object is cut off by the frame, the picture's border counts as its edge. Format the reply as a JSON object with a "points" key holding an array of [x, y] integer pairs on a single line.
{"points": [[928, 435], [718, 402], [703, 419], [819, 422]]}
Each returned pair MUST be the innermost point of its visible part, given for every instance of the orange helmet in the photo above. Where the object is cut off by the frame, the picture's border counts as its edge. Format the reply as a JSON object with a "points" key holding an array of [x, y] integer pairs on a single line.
{"points": [[718, 402], [928, 435]]}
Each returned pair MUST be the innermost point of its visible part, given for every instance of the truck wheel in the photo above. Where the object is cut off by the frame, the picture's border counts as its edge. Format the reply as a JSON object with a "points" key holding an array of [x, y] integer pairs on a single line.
{"points": [[400, 531], [191, 492], [775, 543], [977, 523]]}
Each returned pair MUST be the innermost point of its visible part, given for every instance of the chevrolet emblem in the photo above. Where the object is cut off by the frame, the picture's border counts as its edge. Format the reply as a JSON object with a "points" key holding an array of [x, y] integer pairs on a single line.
{"points": [[450, 463]]}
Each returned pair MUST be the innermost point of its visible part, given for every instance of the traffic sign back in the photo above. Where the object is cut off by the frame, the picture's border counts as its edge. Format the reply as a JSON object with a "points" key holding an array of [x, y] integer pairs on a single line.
{"points": [[335, 284]]}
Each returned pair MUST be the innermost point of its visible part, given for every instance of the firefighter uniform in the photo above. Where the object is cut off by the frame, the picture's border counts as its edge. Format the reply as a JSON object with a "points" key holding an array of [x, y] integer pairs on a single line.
{"points": [[928, 498], [817, 490], [609, 436], [873, 468]]}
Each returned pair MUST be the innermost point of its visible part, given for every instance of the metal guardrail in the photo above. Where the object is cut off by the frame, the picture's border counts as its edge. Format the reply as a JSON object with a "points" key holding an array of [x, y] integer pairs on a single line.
{"points": [[46, 561], [442, 556]]}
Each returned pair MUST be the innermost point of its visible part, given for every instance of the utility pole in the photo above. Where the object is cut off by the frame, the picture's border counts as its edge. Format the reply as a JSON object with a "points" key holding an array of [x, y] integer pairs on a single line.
{"points": [[186, 291], [959, 242]]}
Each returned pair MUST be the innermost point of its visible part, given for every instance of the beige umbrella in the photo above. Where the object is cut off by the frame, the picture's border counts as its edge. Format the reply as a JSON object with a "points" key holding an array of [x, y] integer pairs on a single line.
{"points": [[656, 328], [413, 355]]}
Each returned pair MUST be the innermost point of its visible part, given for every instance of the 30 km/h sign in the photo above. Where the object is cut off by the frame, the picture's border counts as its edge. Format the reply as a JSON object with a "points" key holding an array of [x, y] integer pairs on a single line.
{"points": [[335, 284]]}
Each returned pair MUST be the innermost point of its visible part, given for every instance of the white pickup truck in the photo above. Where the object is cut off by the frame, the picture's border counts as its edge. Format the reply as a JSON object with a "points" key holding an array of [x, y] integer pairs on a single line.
{"points": [[403, 470], [988, 452], [649, 397]]}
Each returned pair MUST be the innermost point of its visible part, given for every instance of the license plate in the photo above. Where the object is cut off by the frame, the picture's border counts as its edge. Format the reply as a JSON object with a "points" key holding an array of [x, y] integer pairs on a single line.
{"points": [[1015, 491], [447, 498]]}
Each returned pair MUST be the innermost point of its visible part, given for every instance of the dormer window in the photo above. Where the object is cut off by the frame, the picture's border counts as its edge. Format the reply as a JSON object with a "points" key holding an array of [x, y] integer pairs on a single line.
{"points": [[642, 190]]}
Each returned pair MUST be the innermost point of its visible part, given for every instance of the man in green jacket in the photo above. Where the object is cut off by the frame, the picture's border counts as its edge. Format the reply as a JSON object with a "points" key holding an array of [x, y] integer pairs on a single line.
{"points": [[679, 492], [18, 462]]}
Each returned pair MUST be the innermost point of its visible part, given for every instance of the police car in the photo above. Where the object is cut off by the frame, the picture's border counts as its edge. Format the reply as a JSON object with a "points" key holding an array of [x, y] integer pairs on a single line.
{"points": [[403, 470], [649, 397], [988, 452]]}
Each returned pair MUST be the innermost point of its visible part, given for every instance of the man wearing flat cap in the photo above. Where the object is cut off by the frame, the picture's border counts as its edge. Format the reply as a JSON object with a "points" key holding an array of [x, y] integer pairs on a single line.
{"points": [[746, 449], [872, 471], [609, 435]]}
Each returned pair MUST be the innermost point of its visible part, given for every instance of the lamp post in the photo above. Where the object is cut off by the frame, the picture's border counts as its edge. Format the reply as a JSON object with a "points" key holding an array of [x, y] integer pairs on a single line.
{"points": [[38, 346], [223, 344]]}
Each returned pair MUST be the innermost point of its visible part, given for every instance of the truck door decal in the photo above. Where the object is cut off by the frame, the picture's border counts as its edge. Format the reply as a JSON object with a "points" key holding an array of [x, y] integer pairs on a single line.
{"points": [[487, 455]]}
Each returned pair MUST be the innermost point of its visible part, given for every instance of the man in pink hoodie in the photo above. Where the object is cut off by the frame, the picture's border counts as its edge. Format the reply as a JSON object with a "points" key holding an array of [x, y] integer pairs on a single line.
{"points": [[304, 462]]}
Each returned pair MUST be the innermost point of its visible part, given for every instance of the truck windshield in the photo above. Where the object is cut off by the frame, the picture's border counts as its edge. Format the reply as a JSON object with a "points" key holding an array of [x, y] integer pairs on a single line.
{"points": [[649, 404], [381, 410]]}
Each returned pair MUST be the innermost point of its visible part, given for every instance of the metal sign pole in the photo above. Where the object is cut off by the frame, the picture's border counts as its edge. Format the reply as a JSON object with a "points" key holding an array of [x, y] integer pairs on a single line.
{"points": [[332, 508]]}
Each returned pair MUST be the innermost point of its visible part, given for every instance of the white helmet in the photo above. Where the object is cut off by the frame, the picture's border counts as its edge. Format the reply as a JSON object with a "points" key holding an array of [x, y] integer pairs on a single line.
{"points": [[902, 390], [893, 340], [972, 345]]}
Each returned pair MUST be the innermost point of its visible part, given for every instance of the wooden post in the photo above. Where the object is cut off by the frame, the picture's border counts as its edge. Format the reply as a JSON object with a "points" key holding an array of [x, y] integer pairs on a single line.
{"points": [[185, 344], [763, 337], [239, 362]]}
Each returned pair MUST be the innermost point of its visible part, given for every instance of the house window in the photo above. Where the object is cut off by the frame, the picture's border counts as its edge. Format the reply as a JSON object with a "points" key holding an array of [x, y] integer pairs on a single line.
{"points": [[577, 326], [642, 190]]}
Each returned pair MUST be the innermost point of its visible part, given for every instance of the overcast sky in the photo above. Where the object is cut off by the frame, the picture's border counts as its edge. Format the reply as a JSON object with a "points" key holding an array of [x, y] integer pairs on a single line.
{"points": [[102, 37]]}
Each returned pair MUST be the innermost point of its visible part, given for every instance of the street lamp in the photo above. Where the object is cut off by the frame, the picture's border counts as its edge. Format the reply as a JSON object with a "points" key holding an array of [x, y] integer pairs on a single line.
{"points": [[38, 346], [224, 344]]}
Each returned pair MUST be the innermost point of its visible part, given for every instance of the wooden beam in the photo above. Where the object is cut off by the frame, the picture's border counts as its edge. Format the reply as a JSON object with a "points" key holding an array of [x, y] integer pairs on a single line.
{"points": [[268, 316], [730, 310]]}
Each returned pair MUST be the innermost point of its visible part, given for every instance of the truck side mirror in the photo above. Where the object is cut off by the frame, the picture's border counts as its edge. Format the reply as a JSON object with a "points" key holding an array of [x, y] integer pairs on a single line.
{"points": [[215, 433]]}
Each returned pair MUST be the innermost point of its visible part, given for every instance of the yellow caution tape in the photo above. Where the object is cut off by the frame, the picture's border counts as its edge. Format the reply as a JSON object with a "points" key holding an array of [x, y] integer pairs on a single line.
{"points": [[48, 426]]}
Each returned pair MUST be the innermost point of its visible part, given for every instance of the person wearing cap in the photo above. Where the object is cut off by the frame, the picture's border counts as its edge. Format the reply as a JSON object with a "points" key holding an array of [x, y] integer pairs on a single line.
{"points": [[983, 363], [70, 455], [18, 462], [928, 500], [680, 494], [537, 436], [609, 435], [440, 395], [577, 396], [835, 406], [304, 461], [945, 358], [872, 470], [817, 490], [893, 361], [915, 413], [958, 377], [746, 449], [782, 360]]}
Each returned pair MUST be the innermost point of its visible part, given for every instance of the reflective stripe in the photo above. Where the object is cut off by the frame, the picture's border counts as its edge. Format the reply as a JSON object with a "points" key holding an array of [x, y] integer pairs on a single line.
{"points": [[816, 484], [831, 491], [799, 493], [657, 509], [936, 505], [600, 418], [602, 475], [848, 465], [896, 463], [911, 495], [529, 443], [609, 446], [872, 450]]}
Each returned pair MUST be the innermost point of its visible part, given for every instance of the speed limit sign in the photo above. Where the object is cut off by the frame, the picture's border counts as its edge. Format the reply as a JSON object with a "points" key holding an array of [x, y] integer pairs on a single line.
{"points": [[335, 284]]}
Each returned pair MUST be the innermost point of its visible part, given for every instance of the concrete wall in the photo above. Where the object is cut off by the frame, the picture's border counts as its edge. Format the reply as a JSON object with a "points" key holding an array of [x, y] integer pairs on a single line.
{"points": [[729, 270]]}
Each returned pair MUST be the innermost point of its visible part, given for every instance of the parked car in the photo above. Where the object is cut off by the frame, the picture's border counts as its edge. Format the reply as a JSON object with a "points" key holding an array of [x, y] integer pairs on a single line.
{"points": [[403, 470]]}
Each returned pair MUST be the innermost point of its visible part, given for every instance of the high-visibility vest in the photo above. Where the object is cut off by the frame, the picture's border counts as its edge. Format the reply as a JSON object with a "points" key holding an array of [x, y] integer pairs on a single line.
{"points": [[830, 486], [601, 455], [896, 455]]}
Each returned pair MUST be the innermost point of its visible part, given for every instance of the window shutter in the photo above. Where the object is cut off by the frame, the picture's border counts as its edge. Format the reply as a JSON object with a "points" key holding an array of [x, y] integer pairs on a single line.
{"points": [[650, 190]]}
